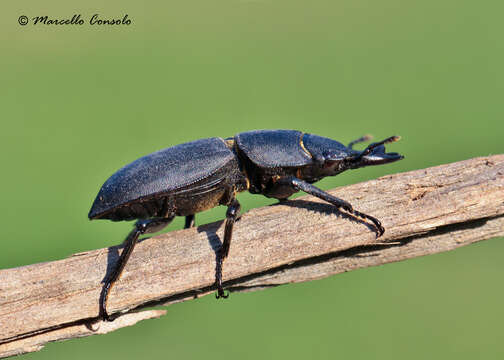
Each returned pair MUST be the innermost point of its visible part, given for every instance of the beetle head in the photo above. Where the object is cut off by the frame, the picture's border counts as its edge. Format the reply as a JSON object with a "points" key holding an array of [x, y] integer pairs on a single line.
{"points": [[331, 157]]}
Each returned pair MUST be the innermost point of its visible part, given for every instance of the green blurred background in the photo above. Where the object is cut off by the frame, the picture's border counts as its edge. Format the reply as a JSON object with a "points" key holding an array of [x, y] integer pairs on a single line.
{"points": [[78, 102]]}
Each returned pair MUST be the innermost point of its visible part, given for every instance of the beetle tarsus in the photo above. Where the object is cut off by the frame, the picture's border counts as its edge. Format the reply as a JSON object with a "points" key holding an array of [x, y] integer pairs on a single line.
{"points": [[189, 221], [103, 311], [218, 276], [380, 230], [232, 215]]}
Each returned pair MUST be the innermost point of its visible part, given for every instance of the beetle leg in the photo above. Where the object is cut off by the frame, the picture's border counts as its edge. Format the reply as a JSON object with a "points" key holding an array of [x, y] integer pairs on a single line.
{"points": [[189, 221], [299, 184], [232, 214], [141, 227]]}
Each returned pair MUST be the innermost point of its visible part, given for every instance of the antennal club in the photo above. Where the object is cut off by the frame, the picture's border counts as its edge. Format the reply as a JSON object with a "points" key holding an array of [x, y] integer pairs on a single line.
{"points": [[364, 138]]}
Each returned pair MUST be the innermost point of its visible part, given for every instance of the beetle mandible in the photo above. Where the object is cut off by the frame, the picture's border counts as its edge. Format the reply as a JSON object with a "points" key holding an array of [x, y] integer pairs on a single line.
{"points": [[189, 178]]}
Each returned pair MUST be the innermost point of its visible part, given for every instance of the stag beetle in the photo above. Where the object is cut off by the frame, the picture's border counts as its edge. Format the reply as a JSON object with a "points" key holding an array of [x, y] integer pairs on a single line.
{"points": [[189, 178]]}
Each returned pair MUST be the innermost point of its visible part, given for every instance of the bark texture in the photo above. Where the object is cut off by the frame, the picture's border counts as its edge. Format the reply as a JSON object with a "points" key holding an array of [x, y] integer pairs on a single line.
{"points": [[424, 212]]}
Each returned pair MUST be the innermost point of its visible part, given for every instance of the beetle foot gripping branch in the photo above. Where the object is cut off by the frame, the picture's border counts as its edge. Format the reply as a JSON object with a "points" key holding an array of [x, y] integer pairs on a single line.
{"points": [[298, 184], [221, 294], [377, 223], [189, 178], [141, 227], [232, 214]]}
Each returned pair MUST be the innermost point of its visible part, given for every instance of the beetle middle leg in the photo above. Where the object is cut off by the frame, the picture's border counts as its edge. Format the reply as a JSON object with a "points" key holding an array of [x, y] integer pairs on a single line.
{"points": [[141, 227], [232, 214], [189, 221], [299, 184]]}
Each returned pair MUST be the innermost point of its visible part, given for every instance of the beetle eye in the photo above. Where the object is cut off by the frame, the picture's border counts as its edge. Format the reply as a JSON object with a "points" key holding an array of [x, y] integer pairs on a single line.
{"points": [[329, 164]]}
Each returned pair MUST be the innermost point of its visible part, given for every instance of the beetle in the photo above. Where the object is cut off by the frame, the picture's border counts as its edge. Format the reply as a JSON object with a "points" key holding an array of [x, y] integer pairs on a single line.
{"points": [[189, 178]]}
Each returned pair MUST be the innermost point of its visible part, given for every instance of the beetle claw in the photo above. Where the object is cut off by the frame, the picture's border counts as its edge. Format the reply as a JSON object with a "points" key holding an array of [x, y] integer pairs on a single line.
{"points": [[380, 230], [221, 294]]}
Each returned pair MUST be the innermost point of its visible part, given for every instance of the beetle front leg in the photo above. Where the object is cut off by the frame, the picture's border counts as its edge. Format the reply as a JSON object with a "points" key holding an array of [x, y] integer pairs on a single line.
{"points": [[141, 227], [299, 184], [232, 214]]}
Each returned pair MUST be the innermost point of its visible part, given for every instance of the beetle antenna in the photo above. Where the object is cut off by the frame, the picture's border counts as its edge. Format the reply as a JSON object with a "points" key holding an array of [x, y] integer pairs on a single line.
{"points": [[372, 146], [364, 138]]}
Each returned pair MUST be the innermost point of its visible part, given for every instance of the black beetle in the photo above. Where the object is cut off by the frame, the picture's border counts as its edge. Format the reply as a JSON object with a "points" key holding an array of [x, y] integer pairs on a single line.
{"points": [[185, 179]]}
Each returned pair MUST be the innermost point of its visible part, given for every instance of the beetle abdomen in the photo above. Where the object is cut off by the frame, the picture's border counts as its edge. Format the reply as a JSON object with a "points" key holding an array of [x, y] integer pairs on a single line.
{"points": [[127, 194], [154, 207], [203, 195]]}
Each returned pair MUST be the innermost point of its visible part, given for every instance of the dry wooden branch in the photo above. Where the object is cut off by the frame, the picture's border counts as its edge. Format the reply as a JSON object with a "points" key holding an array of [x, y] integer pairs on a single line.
{"points": [[424, 211]]}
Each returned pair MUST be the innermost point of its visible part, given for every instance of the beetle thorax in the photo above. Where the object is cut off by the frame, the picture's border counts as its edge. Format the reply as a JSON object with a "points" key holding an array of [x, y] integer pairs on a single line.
{"points": [[316, 171]]}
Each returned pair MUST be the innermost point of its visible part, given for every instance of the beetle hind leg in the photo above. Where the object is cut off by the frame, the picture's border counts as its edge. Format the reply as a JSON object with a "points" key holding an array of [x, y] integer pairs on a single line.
{"points": [[141, 227], [232, 215]]}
